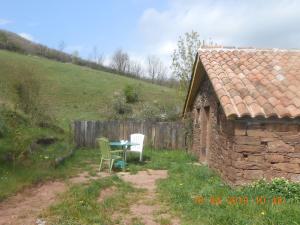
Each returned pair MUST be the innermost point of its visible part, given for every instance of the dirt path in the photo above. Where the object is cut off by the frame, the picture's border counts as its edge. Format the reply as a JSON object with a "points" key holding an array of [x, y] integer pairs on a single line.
{"points": [[25, 207], [148, 210]]}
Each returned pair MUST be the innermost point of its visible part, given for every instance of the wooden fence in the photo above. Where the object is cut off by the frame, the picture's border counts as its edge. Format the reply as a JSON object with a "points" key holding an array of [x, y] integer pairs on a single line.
{"points": [[158, 135]]}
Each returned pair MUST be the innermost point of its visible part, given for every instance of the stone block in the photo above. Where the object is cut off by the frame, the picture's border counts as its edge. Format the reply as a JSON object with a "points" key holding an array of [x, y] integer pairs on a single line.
{"points": [[287, 167], [260, 133], [243, 164], [240, 129], [279, 146], [294, 155], [248, 148], [295, 177], [292, 138], [279, 127], [270, 174], [256, 158], [297, 148], [274, 158], [294, 160], [236, 156], [267, 139], [253, 174], [247, 140], [241, 182]]}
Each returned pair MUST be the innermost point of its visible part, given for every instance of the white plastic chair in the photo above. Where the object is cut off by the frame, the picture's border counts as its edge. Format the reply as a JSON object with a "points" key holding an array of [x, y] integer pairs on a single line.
{"points": [[137, 139]]}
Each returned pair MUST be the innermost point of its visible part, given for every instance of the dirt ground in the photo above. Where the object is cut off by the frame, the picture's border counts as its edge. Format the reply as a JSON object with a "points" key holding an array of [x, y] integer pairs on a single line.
{"points": [[148, 210], [25, 207]]}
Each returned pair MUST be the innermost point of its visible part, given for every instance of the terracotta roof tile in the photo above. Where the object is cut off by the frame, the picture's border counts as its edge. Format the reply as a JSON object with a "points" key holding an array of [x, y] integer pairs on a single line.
{"points": [[255, 82]]}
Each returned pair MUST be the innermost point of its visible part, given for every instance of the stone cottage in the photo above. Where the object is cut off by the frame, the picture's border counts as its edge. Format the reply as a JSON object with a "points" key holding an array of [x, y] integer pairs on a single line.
{"points": [[245, 107]]}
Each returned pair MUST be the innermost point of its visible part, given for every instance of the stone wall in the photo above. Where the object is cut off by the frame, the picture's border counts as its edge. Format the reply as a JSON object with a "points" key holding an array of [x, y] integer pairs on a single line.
{"points": [[220, 132], [266, 149]]}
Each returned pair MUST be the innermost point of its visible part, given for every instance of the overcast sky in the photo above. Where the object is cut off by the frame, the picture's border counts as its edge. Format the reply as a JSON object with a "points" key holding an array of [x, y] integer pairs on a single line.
{"points": [[143, 27]]}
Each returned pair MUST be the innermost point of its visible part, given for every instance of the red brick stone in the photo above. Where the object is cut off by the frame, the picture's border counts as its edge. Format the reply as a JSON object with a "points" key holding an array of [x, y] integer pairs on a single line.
{"points": [[294, 160], [287, 167], [274, 158], [259, 133], [294, 155], [240, 129], [270, 174], [247, 140], [248, 148], [242, 164], [291, 138], [295, 177], [236, 156], [279, 146], [268, 139], [256, 158], [253, 174], [297, 148]]}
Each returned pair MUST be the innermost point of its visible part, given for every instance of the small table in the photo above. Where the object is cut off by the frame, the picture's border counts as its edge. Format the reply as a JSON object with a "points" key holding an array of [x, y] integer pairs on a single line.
{"points": [[123, 145]]}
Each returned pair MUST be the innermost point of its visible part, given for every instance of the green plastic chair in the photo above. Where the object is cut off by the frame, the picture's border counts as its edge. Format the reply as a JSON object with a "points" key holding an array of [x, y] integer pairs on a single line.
{"points": [[107, 154]]}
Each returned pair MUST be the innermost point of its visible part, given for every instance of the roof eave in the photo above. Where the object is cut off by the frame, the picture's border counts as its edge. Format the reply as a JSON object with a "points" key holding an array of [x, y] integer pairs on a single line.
{"points": [[188, 98]]}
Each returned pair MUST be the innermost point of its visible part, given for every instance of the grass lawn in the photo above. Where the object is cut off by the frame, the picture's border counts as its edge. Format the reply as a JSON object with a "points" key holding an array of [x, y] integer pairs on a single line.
{"points": [[194, 193]]}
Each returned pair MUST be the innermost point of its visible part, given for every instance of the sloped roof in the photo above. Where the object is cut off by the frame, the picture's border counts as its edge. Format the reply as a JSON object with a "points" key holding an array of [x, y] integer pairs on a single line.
{"points": [[251, 82]]}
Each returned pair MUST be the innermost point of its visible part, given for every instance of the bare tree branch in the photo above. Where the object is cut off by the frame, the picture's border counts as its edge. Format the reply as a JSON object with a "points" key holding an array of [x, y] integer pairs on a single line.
{"points": [[156, 69], [120, 61]]}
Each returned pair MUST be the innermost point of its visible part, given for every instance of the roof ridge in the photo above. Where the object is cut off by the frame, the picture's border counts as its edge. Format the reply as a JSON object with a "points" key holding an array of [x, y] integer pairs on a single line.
{"points": [[249, 49]]}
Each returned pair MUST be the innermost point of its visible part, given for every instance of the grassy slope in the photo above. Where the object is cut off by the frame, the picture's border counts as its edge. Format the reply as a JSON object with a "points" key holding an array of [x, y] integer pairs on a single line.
{"points": [[75, 92]]}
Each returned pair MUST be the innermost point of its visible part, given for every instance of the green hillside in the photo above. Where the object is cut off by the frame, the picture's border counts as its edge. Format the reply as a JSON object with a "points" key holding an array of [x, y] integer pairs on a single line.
{"points": [[74, 92], [31, 138]]}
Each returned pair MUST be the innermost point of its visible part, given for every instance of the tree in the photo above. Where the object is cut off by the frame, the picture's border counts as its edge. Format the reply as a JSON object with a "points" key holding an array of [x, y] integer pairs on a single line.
{"points": [[100, 59], [61, 46], [184, 56], [135, 68], [120, 61], [75, 56], [96, 56], [156, 69]]}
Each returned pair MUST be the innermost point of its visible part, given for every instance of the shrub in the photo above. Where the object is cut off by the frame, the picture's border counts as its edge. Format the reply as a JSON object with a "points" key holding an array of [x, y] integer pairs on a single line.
{"points": [[120, 106], [276, 187], [158, 112], [131, 94]]}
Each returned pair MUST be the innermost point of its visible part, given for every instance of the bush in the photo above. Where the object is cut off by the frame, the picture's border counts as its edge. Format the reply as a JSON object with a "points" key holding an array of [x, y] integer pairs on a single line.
{"points": [[277, 187], [158, 112], [120, 106], [131, 94]]}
